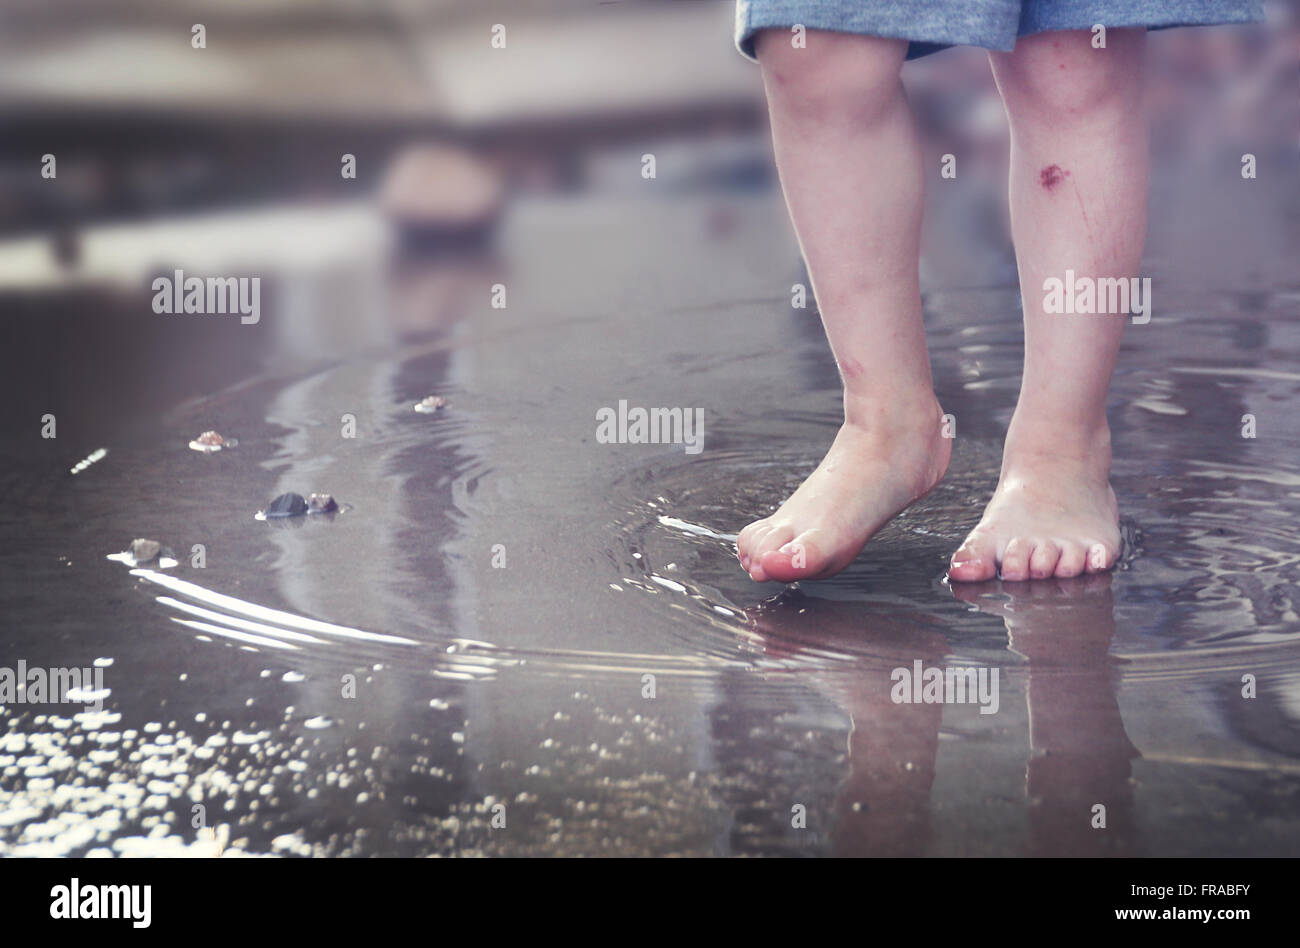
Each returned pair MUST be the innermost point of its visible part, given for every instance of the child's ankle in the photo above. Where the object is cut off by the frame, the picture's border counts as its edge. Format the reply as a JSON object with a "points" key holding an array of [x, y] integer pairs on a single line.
{"points": [[1087, 442], [893, 411]]}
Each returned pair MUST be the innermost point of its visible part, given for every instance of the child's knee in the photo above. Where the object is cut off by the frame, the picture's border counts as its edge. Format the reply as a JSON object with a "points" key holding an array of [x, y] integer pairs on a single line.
{"points": [[831, 74], [1062, 74]]}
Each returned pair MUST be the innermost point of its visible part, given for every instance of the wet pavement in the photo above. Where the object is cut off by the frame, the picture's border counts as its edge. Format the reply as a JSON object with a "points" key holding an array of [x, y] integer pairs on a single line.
{"points": [[517, 640]]}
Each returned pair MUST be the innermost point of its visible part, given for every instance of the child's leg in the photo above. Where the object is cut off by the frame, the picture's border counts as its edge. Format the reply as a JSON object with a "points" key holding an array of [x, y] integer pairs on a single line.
{"points": [[1078, 201], [850, 166]]}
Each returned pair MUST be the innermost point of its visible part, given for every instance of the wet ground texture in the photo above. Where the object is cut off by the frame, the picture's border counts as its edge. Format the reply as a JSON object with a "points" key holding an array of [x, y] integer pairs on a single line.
{"points": [[457, 662]]}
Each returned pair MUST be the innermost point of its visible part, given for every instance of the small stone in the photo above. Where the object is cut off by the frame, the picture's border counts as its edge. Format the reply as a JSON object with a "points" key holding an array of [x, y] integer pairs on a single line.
{"points": [[322, 503], [287, 505], [143, 551], [431, 404], [211, 441]]}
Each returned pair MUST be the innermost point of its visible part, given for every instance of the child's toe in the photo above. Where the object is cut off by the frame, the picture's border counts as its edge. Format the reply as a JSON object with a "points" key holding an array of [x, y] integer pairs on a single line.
{"points": [[975, 561], [745, 539], [1100, 558], [1073, 560], [773, 539], [1042, 563], [768, 541], [792, 561], [1015, 559]]}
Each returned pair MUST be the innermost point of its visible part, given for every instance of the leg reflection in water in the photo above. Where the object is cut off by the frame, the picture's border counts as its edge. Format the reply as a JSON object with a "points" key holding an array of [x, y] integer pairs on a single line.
{"points": [[1079, 754], [882, 806], [1080, 757]]}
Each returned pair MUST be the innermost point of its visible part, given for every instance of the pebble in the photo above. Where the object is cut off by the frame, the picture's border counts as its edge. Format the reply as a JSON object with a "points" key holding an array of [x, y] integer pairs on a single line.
{"points": [[287, 505], [431, 404], [211, 441], [143, 551], [293, 505], [322, 503]]}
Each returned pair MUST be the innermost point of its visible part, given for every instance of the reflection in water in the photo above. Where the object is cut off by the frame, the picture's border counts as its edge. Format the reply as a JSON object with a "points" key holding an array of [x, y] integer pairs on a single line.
{"points": [[882, 804], [1079, 753]]}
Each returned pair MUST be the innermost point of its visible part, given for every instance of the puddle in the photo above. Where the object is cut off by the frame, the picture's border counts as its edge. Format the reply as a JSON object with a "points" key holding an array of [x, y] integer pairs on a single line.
{"points": [[517, 615]]}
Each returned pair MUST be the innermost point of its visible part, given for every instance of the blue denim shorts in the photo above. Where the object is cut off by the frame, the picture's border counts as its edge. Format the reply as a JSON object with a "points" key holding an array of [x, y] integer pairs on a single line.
{"points": [[991, 24]]}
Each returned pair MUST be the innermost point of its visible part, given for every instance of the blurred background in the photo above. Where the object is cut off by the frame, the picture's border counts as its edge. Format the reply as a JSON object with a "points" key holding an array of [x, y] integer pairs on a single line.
{"points": [[227, 159], [147, 128]]}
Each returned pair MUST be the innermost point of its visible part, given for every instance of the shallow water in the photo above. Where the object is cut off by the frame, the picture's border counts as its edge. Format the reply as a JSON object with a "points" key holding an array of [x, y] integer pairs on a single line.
{"points": [[499, 584]]}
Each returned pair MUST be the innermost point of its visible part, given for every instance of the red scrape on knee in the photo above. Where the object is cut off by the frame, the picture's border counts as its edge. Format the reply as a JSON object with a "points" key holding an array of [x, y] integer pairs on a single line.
{"points": [[1051, 176], [851, 368]]}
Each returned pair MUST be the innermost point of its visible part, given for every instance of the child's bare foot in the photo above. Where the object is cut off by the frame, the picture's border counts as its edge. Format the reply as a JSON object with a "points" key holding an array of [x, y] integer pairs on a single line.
{"points": [[1053, 514], [876, 468]]}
